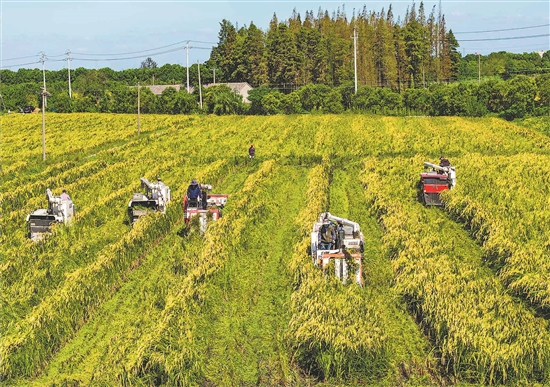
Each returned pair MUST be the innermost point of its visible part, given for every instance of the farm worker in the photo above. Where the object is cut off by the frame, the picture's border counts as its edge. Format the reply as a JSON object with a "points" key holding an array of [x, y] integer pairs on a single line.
{"points": [[443, 162], [251, 151], [194, 190], [327, 236], [341, 234], [64, 195]]}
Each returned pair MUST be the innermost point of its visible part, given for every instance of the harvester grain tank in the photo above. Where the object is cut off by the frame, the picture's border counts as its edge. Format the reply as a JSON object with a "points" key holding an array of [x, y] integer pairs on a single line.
{"points": [[59, 211], [438, 179], [156, 198], [207, 206], [345, 250]]}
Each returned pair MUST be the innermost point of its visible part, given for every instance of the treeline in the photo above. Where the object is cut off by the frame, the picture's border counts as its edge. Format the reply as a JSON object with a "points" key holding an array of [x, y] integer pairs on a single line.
{"points": [[515, 98], [503, 65], [398, 54], [168, 74]]}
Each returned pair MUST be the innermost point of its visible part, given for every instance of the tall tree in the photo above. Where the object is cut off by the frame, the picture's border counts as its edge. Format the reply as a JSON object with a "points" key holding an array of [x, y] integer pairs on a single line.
{"points": [[254, 45], [222, 54], [149, 63], [415, 48], [281, 55]]}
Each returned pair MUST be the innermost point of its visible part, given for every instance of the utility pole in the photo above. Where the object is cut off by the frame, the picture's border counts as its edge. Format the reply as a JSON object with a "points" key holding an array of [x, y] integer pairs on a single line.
{"points": [[214, 70], [355, 55], [44, 95], [139, 112], [69, 69], [187, 58], [200, 88], [44, 101]]}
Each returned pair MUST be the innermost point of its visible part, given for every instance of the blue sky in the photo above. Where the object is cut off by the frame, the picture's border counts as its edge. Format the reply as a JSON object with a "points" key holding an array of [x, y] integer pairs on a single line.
{"points": [[119, 27]]}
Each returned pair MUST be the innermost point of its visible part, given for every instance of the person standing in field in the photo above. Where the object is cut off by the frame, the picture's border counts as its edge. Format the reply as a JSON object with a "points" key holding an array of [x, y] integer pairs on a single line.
{"points": [[443, 162], [251, 151]]}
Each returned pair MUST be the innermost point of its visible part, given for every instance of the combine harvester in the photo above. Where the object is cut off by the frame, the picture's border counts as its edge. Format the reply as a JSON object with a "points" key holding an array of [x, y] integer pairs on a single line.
{"points": [[59, 211], [206, 205], [346, 248], [438, 179], [155, 199]]}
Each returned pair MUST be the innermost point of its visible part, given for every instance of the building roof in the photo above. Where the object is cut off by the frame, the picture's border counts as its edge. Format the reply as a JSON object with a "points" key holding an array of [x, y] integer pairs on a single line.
{"points": [[240, 88], [158, 89]]}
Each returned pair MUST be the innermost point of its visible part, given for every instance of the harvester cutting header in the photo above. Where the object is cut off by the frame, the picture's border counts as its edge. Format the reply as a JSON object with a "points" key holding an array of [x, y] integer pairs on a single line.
{"points": [[440, 178]]}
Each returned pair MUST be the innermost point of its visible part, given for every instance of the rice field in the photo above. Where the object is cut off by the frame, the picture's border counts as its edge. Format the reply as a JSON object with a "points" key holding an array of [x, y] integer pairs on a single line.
{"points": [[457, 295]]}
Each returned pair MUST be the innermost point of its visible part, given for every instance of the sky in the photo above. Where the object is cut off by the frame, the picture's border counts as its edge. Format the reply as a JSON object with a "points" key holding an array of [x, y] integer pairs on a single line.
{"points": [[101, 33]]}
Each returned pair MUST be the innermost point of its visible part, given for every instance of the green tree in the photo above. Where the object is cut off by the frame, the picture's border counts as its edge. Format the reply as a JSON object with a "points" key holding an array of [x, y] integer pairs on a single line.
{"points": [[223, 54], [415, 49], [312, 96], [281, 55], [520, 98], [149, 63], [167, 101], [221, 100], [291, 104], [543, 93], [272, 103], [255, 97]]}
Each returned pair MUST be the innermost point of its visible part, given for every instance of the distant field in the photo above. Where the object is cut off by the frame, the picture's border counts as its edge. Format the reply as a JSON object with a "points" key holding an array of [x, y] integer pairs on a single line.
{"points": [[458, 295]]}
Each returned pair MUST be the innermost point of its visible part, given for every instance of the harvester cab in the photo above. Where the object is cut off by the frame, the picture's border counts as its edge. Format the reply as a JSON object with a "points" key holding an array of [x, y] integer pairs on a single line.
{"points": [[155, 199], [435, 181], [41, 220], [345, 248], [207, 206]]}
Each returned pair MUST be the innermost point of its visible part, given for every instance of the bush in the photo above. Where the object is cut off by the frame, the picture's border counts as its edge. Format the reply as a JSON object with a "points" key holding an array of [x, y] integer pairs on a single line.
{"points": [[332, 103], [272, 103]]}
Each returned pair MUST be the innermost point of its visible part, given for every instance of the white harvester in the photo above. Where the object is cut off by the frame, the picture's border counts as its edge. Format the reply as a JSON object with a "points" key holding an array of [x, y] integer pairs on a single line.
{"points": [[341, 241], [155, 199], [59, 211]]}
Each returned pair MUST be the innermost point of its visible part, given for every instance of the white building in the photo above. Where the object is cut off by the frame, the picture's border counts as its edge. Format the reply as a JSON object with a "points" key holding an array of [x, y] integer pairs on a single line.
{"points": [[241, 88]]}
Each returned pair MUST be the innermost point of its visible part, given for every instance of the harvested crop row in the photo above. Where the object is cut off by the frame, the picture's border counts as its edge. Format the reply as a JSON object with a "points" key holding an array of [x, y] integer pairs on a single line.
{"points": [[334, 330], [112, 332], [28, 345], [506, 203], [178, 361], [481, 333]]}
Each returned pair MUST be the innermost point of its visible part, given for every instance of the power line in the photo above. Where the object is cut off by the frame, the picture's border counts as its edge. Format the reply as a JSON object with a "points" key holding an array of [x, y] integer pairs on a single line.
{"points": [[141, 51], [511, 38], [21, 57], [504, 47], [506, 29], [22, 64], [125, 58]]}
